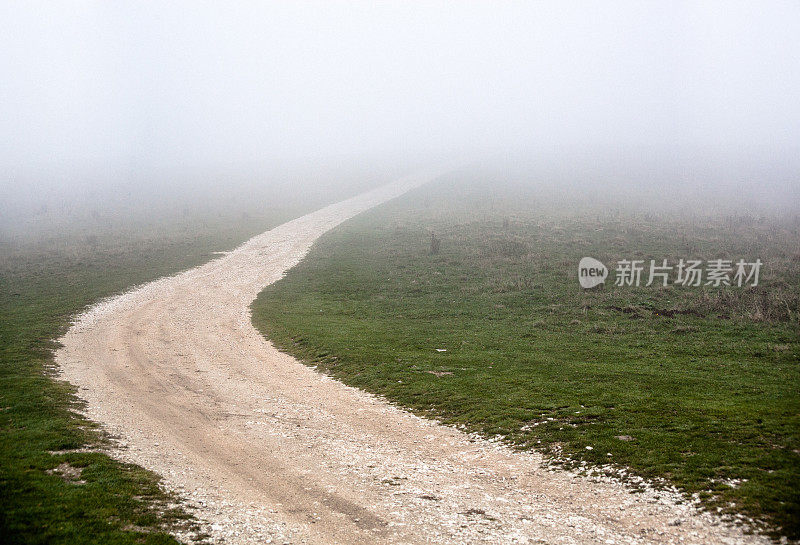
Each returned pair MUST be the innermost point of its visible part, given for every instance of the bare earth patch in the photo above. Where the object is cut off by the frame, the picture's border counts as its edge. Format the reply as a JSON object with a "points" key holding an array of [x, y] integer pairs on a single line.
{"points": [[268, 450], [69, 473]]}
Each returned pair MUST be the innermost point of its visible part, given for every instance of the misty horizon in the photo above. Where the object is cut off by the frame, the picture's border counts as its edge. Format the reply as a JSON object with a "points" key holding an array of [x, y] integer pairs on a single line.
{"points": [[115, 87]]}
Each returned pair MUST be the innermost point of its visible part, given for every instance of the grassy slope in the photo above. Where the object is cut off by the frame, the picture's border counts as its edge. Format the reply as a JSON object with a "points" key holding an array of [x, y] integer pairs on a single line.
{"points": [[709, 395]]}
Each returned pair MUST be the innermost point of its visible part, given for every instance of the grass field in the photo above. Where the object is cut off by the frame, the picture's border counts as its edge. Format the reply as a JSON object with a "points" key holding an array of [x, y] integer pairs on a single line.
{"points": [[694, 387], [55, 486]]}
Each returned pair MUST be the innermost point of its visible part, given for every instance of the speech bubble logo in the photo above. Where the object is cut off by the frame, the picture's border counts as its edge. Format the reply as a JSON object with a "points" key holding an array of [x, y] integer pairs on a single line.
{"points": [[591, 272]]}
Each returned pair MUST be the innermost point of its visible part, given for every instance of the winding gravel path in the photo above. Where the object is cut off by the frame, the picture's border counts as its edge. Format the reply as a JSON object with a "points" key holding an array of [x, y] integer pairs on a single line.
{"points": [[269, 451]]}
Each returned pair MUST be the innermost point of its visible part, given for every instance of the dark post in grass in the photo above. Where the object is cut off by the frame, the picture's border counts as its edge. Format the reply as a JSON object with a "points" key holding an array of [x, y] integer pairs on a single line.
{"points": [[435, 243]]}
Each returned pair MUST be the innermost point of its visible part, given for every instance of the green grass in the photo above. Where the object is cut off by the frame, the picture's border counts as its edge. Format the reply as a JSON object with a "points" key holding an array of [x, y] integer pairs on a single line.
{"points": [[55, 486], [703, 381]]}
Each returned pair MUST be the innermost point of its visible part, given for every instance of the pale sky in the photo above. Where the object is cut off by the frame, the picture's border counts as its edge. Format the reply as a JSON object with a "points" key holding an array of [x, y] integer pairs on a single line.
{"points": [[106, 84]]}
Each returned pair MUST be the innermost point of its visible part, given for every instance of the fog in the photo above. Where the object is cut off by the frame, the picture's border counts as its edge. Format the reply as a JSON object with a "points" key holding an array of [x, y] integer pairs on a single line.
{"points": [[147, 93]]}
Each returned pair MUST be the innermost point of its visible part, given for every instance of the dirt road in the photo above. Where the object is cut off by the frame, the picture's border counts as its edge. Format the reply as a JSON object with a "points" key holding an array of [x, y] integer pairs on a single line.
{"points": [[271, 451]]}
